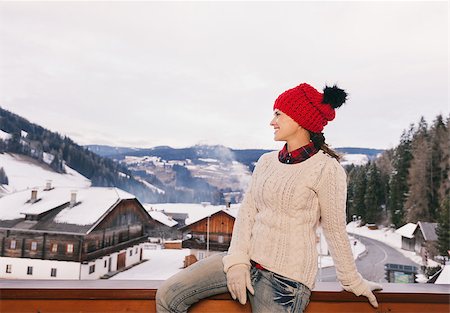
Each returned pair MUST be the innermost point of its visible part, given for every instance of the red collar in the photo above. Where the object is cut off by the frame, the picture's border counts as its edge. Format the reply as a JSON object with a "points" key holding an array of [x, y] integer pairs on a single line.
{"points": [[299, 155]]}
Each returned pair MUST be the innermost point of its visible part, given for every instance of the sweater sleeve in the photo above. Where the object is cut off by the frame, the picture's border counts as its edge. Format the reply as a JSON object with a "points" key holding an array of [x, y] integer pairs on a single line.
{"points": [[332, 195], [238, 253]]}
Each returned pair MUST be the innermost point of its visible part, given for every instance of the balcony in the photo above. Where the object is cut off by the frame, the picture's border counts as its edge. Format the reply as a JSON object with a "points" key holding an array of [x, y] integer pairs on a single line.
{"points": [[139, 296]]}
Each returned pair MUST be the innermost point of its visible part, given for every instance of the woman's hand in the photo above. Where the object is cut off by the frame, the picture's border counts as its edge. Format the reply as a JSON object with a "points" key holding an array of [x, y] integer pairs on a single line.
{"points": [[371, 286], [238, 281]]}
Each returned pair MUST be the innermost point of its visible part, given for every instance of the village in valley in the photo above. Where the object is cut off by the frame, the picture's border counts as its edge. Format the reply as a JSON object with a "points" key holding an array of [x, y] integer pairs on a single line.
{"points": [[68, 229]]}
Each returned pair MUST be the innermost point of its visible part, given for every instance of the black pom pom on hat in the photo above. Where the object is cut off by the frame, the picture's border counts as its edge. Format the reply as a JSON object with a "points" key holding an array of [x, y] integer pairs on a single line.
{"points": [[334, 96]]}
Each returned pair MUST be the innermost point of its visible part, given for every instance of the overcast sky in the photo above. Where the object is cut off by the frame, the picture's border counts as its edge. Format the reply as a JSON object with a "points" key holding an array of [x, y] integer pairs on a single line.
{"points": [[144, 74]]}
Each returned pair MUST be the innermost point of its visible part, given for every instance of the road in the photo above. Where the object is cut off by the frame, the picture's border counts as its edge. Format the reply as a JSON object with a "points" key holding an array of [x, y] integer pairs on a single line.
{"points": [[371, 264]]}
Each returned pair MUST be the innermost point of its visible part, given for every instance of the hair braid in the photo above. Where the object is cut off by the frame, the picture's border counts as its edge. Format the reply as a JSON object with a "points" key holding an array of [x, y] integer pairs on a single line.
{"points": [[318, 140]]}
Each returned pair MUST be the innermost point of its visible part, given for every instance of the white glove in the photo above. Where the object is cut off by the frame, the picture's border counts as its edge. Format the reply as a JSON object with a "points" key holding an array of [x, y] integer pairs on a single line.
{"points": [[369, 294], [238, 281]]}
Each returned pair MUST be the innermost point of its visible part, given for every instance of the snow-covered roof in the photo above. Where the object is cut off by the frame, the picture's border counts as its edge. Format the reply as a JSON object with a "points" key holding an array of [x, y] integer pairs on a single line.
{"points": [[407, 230], [162, 218], [195, 211], [230, 211], [91, 204], [444, 276], [428, 231]]}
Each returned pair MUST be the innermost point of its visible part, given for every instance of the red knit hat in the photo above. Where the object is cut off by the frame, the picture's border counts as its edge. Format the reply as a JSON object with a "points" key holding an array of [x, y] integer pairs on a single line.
{"points": [[310, 108]]}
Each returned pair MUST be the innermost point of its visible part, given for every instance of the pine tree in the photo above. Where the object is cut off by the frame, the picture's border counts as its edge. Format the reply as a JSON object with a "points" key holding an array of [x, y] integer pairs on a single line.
{"points": [[443, 228], [350, 169], [398, 186], [373, 196], [3, 178], [417, 206], [444, 189], [439, 165], [359, 190]]}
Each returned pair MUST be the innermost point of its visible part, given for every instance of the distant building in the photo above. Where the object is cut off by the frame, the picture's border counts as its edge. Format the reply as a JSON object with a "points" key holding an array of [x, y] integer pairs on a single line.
{"points": [[59, 233], [407, 234], [180, 218], [420, 237], [209, 235], [168, 227]]}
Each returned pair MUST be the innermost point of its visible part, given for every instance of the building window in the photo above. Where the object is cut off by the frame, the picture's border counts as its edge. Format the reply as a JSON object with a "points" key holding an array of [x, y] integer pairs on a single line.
{"points": [[33, 245], [30, 270], [136, 251], [12, 244], [131, 252], [202, 238], [53, 272], [220, 239], [92, 269], [54, 247], [69, 248], [105, 263], [201, 255], [8, 268]]}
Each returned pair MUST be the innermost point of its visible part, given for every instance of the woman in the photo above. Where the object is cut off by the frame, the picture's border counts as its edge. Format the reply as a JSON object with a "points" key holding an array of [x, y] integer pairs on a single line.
{"points": [[273, 257]]}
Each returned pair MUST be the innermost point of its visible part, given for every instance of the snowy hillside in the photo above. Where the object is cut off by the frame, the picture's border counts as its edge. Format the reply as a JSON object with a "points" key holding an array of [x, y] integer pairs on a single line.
{"points": [[355, 159], [24, 172], [220, 174]]}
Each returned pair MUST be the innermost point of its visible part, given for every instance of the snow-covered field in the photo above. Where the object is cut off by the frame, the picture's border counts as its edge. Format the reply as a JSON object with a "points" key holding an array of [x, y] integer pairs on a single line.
{"points": [[161, 264], [24, 172]]}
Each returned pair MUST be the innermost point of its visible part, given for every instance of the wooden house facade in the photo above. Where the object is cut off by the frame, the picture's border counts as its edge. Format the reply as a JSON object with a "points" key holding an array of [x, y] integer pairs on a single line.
{"points": [[210, 235], [57, 233]]}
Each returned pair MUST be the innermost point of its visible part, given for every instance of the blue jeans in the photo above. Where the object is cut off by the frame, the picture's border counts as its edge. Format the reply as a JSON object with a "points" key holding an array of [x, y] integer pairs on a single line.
{"points": [[273, 293]]}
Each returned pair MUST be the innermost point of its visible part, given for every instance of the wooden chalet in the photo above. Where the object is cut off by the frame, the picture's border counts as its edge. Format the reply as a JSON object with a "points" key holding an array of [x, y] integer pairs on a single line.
{"points": [[421, 238], [59, 233], [210, 234]]}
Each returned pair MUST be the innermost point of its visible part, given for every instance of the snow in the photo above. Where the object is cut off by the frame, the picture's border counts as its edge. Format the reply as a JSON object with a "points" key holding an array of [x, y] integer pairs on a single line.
{"points": [[195, 211], [48, 158], [4, 135], [390, 237], [356, 159], [161, 264], [24, 172], [124, 175], [151, 187], [209, 160], [162, 218], [23, 134], [92, 203], [444, 276], [407, 230]]}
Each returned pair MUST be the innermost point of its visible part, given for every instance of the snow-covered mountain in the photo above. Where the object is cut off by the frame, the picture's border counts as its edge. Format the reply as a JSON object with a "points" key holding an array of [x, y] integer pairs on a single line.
{"points": [[193, 169]]}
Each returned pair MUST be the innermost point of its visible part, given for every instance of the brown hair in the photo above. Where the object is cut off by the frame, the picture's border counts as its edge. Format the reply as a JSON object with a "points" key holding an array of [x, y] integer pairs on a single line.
{"points": [[318, 140]]}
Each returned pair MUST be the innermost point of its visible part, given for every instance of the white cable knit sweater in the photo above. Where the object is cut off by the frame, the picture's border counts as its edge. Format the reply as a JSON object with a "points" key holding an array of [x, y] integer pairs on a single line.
{"points": [[277, 221]]}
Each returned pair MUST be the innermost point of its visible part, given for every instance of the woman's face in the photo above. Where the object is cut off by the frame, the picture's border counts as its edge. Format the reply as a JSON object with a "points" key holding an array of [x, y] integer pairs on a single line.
{"points": [[285, 127]]}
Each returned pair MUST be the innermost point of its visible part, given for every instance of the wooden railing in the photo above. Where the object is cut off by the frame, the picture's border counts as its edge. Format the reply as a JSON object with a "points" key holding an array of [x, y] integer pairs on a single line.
{"points": [[139, 296]]}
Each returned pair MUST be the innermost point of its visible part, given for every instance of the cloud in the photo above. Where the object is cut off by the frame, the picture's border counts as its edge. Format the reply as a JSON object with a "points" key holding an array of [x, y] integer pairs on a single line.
{"points": [[179, 73]]}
